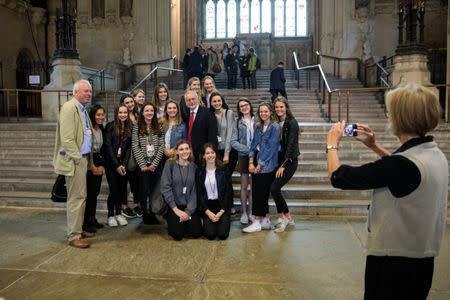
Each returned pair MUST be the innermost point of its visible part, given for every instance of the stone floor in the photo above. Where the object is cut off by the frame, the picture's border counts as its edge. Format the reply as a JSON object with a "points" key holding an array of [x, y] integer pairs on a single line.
{"points": [[320, 258]]}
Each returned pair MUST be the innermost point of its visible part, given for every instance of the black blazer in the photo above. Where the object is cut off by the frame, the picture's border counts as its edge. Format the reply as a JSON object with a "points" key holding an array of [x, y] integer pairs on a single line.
{"points": [[184, 110], [277, 79], [202, 195], [289, 142], [111, 145], [204, 129]]}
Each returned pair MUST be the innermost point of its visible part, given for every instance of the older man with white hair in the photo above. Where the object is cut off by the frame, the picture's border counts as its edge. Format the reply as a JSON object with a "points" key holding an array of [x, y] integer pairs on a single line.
{"points": [[72, 156]]}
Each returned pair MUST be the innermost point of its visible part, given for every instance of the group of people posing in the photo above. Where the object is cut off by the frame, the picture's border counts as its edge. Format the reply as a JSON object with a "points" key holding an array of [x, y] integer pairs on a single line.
{"points": [[186, 153]]}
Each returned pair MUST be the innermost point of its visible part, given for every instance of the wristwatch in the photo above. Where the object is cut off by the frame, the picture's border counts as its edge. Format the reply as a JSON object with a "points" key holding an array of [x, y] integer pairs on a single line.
{"points": [[330, 147]]}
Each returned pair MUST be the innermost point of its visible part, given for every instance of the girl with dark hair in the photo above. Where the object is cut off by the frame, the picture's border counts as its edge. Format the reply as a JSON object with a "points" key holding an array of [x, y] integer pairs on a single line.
{"points": [[160, 98], [263, 160], [179, 192], [117, 152], [95, 174], [287, 160], [241, 141], [131, 165], [225, 124], [211, 192], [147, 145]]}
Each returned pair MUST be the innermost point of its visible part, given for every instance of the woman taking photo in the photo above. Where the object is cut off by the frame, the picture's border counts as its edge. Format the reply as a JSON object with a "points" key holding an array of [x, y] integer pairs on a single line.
{"points": [[241, 141], [287, 160], [180, 193], [117, 152], [95, 174], [211, 191], [131, 165], [263, 160], [173, 127], [160, 98], [408, 211], [147, 144]]}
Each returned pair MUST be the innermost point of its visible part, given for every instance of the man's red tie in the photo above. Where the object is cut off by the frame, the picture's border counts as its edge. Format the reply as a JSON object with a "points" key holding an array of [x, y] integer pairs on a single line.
{"points": [[191, 123]]}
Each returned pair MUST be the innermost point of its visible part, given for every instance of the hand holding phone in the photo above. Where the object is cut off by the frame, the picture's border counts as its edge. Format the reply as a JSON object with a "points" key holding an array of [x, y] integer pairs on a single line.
{"points": [[350, 130]]}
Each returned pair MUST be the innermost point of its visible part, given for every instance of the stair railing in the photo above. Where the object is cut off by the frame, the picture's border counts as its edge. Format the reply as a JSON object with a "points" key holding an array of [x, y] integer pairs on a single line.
{"points": [[337, 63]]}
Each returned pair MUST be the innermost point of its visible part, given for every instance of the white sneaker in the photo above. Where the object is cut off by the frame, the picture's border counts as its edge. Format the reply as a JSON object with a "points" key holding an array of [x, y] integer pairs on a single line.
{"points": [[290, 222], [251, 218], [244, 219], [282, 225], [121, 220], [255, 227], [112, 222], [266, 225]]}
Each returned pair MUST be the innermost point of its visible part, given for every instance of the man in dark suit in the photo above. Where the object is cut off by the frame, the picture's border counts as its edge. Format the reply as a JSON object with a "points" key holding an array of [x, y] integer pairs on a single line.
{"points": [[201, 125], [277, 81], [195, 63]]}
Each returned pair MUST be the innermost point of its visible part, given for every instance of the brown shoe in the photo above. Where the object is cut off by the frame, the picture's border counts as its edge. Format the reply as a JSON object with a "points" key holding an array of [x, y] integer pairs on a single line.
{"points": [[79, 243], [87, 234]]}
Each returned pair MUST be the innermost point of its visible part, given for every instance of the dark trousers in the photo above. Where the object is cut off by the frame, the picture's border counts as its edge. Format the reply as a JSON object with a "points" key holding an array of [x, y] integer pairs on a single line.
{"points": [[275, 93], [93, 184], [219, 229], [232, 79], [278, 183], [260, 193], [146, 183], [246, 79], [253, 79], [395, 277], [228, 170], [117, 191], [133, 181], [178, 230]]}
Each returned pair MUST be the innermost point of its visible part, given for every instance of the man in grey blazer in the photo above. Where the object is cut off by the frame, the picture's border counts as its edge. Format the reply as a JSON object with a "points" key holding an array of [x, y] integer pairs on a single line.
{"points": [[72, 156]]}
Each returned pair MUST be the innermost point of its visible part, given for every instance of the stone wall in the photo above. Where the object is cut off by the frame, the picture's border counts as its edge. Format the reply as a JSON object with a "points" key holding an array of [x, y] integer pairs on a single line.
{"points": [[16, 37]]}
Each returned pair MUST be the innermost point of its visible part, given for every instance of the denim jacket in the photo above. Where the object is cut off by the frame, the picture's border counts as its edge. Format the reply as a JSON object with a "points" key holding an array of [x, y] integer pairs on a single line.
{"points": [[269, 143], [239, 138], [178, 132]]}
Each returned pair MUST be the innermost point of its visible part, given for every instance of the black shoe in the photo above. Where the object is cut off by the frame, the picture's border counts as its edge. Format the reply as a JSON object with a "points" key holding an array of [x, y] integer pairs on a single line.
{"points": [[150, 219], [138, 211], [98, 225], [128, 213], [89, 228]]}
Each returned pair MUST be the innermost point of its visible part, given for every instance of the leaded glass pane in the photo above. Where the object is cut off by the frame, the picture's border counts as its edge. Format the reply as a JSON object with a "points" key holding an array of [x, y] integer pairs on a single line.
{"points": [[245, 16], [266, 21], [279, 18], [256, 27], [301, 18], [290, 18], [221, 13], [210, 20]]}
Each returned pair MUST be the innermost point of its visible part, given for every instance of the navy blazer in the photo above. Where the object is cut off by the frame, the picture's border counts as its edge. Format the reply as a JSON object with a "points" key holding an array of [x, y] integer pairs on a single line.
{"points": [[202, 195], [277, 79], [204, 129]]}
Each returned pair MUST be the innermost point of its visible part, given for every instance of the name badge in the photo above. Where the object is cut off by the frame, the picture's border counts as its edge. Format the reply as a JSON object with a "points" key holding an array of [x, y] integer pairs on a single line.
{"points": [[119, 151], [219, 139], [88, 132], [184, 190]]}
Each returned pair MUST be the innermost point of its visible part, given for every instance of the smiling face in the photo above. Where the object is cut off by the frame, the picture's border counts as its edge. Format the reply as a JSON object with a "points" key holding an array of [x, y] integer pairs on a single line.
{"points": [[148, 113], [216, 102], [280, 109], [191, 100], [99, 117], [209, 156], [244, 107], [129, 103], [122, 114], [84, 93], [209, 85], [183, 152], [195, 86], [172, 110], [162, 94], [264, 113], [140, 98]]}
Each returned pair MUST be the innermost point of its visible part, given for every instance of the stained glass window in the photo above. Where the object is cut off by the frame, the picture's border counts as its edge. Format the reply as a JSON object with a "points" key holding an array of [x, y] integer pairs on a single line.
{"points": [[290, 18], [245, 16], [256, 9], [221, 15], [231, 21], [210, 20]]}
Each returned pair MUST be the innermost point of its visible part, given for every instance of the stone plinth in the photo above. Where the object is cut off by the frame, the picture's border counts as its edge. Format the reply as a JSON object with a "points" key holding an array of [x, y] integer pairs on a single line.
{"points": [[65, 73], [411, 68]]}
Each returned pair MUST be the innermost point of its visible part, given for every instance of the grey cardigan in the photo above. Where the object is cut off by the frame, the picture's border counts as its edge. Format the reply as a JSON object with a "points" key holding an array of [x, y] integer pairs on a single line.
{"points": [[225, 129]]}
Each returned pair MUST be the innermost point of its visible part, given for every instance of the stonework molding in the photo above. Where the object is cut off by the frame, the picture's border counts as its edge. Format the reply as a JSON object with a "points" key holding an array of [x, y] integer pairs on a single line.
{"points": [[37, 15]]}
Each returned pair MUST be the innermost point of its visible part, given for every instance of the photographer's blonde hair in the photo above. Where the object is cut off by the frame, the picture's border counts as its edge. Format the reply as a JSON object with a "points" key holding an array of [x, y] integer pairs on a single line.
{"points": [[413, 109]]}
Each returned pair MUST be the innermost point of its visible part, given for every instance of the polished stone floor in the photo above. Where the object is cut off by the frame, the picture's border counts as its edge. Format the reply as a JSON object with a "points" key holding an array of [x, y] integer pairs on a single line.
{"points": [[319, 258]]}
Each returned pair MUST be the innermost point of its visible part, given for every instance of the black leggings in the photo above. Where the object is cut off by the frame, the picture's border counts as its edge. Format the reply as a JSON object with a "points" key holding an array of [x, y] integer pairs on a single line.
{"points": [[117, 191], [260, 193], [219, 229], [178, 230], [93, 184], [278, 183], [147, 182], [396, 277]]}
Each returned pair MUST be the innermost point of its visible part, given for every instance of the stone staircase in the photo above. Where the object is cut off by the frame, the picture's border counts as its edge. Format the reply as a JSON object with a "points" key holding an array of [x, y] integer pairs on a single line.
{"points": [[27, 173]]}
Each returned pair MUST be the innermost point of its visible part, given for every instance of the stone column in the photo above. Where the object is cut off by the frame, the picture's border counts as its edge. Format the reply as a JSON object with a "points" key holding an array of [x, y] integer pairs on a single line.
{"points": [[447, 90]]}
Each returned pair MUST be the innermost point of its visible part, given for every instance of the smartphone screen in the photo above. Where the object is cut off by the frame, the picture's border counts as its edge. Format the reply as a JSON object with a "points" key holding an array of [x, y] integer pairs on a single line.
{"points": [[349, 130]]}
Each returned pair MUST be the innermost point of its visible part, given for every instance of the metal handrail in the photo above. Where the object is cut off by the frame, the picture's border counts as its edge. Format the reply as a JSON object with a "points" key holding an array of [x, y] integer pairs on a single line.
{"points": [[96, 73], [151, 73], [338, 65]]}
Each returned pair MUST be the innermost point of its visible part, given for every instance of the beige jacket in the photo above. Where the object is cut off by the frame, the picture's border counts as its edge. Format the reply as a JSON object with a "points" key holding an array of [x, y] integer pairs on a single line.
{"points": [[69, 138]]}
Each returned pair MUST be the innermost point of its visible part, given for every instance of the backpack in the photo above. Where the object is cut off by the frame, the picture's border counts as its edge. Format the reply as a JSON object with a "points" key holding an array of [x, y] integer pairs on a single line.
{"points": [[59, 191]]}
